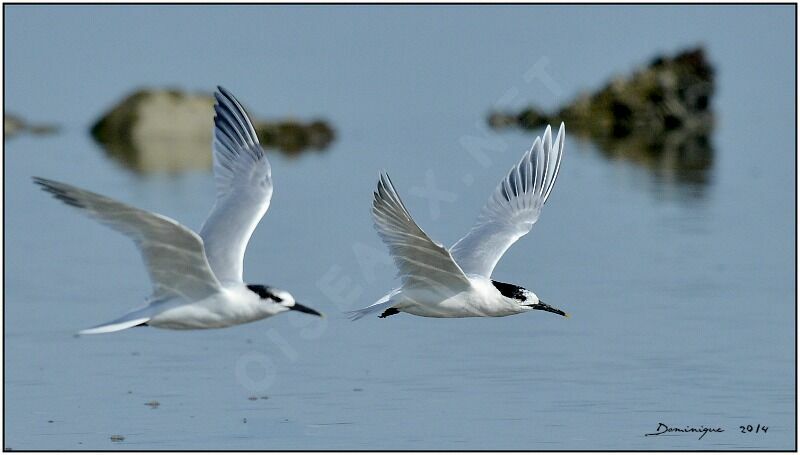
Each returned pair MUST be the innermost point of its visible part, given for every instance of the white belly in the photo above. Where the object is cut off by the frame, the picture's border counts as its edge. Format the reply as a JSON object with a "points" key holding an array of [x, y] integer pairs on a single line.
{"points": [[218, 311], [481, 300]]}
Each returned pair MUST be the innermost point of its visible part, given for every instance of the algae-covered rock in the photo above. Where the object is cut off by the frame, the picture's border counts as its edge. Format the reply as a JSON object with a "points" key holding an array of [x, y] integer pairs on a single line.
{"points": [[293, 137], [660, 115], [156, 130]]}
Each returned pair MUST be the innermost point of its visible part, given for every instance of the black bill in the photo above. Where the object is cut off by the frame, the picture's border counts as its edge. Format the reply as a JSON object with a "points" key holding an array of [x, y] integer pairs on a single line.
{"points": [[545, 307], [305, 309]]}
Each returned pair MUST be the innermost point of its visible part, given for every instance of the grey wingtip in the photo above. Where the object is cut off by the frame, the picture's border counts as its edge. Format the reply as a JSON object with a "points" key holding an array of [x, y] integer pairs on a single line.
{"points": [[40, 180], [561, 131], [59, 191], [354, 315], [223, 91], [46, 184], [43, 183], [537, 142], [388, 180], [383, 179], [222, 95]]}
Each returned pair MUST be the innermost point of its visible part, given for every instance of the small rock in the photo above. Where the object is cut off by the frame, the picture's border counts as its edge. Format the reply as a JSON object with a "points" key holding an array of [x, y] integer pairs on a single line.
{"points": [[117, 438], [13, 125], [153, 404], [163, 130], [253, 398], [49, 421]]}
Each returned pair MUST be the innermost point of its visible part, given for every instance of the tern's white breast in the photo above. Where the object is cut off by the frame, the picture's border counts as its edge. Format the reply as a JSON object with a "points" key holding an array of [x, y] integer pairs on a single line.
{"points": [[481, 300], [232, 306]]}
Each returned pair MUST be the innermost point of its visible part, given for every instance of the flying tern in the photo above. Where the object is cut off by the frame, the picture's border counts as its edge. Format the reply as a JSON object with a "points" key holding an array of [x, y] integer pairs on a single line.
{"points": [[457, 283], [197, 279]]}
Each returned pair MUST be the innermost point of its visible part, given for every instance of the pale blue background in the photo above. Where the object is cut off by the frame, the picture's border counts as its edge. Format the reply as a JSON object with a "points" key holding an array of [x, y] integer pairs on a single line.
{"points": [[682, 296]]}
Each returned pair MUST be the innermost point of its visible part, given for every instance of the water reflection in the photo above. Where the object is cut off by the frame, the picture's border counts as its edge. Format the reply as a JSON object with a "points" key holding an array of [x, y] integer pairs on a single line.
{"points": [[659, 117], [684, 157], [169, 155], [156, 130]]}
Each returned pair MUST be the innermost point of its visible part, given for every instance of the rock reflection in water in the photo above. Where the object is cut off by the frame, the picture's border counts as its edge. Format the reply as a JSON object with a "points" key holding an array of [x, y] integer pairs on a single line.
{"points": [[155, 130], [660, 117]]}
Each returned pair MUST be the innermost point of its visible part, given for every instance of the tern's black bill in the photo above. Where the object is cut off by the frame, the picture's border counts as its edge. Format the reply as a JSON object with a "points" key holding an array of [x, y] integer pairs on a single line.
{"points": [[305, 309], [545, 307]]}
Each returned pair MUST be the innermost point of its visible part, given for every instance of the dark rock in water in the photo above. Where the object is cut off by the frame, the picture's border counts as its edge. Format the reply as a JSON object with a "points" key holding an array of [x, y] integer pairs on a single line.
{"points": [[660, 115], [156, 130], [499, 120], [292, 137], [117, 438], [13, 125]]}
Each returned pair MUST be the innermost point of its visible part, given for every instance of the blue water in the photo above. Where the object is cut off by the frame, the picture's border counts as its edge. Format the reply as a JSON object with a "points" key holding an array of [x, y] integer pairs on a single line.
{"points": [[681, 295]]}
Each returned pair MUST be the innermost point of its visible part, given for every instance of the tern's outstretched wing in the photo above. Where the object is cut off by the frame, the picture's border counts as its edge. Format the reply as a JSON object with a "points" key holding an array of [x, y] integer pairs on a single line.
{"points": [[513, 208], [244, 188], [173, 254], [421, 262]]}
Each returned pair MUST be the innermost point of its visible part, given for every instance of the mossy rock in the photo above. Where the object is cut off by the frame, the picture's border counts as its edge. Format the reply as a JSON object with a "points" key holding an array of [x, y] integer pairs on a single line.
{"points": [[663, 109]]}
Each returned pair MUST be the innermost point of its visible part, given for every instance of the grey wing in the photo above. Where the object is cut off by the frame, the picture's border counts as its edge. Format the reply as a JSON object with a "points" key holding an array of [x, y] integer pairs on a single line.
{"points": [[244, 188], [421, 262], [173, 254], [513, 208]]}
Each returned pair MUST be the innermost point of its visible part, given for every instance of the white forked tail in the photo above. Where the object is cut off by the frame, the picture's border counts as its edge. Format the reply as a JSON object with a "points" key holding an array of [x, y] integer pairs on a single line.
{"points": [[383, 304], [131, 319]]}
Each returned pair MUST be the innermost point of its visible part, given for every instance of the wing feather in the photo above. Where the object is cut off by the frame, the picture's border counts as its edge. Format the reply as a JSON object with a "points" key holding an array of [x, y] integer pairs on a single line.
{"points": [[421, 262], [513, 208], [173, 254], [244, 188]]}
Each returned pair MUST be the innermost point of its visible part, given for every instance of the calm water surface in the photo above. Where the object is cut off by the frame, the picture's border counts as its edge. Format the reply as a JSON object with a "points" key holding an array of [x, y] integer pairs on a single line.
{"points": [[681, 295]]}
